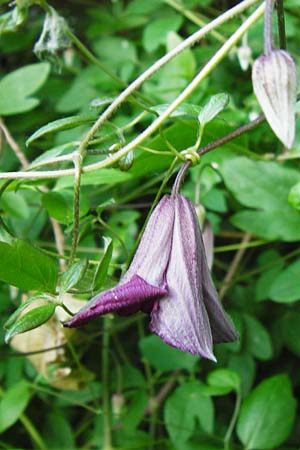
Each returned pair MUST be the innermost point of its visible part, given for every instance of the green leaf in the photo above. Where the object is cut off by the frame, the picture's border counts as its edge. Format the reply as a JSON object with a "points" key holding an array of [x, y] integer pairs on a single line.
{"points": [[165, 358], [155, 33], [59, 205], [273, 260], [102, 268], [12, 404], [286, 288], [257, 338], [183, 408], [244, 365], [73, 275], [30, 320], [263, 186], [17, 87], [59, 125], [267, 415], [226, 379], [291, 331], [213, 107], [14, 316], [27, 267]]}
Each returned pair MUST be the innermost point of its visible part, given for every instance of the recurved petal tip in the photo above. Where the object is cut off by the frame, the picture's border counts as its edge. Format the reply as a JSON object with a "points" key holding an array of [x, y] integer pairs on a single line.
{"points": [[274, 78], [126, 298]]}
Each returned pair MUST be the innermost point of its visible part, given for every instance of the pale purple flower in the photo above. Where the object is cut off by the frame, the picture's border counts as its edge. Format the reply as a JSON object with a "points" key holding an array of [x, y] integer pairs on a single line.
{"points": [[274, 78], [169, 278]]}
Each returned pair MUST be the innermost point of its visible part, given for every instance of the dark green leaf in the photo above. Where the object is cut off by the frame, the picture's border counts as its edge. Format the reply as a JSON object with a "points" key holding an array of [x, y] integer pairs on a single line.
{"points": [[267, 415], [27, 267]]}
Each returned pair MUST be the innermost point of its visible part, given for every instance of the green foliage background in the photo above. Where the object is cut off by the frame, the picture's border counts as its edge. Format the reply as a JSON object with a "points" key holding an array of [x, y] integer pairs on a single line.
{"points": [[159, 397]]}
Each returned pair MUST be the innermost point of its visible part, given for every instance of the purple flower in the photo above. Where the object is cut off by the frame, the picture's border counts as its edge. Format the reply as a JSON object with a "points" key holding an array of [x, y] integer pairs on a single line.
{"points": [[169, 278]]}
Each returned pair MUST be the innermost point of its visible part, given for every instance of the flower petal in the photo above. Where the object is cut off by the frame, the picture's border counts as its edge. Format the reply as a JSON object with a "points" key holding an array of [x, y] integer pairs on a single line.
{"points": [[127, 298], [274, 79], [151, 258], [180, 319]]}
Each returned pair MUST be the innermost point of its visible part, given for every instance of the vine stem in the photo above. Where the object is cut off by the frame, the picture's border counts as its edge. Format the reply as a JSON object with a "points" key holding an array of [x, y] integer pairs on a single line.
{"points": [[281, 24], [268, 39], [107, 439], [206, 70], [233, 421], [76, 205]]}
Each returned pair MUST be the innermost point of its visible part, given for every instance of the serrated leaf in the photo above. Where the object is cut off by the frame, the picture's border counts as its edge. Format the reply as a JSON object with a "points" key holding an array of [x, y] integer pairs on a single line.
{"points": [[12, 404], [73, 275], [213, 107], [30, 320], [59, 125], [267, 415], [27, 267], [17, 87], [101, 271]]}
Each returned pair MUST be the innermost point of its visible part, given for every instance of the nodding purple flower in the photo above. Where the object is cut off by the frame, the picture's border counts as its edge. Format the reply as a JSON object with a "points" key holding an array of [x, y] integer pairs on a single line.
{"points": [[170, 279]]}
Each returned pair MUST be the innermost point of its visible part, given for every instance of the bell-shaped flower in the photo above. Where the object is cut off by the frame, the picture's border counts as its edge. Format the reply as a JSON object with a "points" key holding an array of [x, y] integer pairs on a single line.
{"points": [[169, 278], [274, 78]]}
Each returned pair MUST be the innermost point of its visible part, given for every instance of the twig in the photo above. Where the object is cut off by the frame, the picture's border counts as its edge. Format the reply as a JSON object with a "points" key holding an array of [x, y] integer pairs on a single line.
{"points": [[162, 394], [14, 145], [234, 265]]}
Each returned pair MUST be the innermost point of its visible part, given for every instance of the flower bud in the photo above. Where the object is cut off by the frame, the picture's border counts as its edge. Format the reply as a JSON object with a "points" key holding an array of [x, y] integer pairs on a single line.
{"points": [[294, 196], [274, 80]]}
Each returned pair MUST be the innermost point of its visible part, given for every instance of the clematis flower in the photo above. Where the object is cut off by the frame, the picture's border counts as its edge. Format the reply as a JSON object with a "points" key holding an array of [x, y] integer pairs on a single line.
{"points": [[274, 78], [170, 279]]}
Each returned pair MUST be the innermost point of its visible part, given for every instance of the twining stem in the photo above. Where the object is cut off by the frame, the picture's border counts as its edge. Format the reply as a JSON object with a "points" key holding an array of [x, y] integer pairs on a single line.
{"points": [[107, 438], [268, 38], [76, 205], [233, 421], [281, 24]]}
